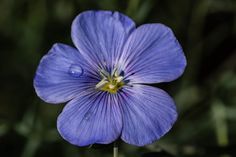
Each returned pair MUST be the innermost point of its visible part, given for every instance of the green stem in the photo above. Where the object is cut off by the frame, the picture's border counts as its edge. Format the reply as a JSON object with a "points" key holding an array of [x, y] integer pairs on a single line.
{"points": [[115, 150]]}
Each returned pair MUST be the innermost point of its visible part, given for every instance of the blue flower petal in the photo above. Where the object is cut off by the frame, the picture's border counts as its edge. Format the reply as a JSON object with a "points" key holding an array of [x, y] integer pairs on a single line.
{"points": [[152, 54], [148, 113], [93, 117], [100, 36], [62, 74]]}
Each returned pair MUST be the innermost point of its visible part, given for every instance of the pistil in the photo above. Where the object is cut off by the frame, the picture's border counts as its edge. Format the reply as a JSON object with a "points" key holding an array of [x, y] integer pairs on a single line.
{"points": [[110, 83]]}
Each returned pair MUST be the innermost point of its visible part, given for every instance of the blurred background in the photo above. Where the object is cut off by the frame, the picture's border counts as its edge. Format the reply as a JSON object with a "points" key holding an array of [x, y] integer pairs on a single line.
{"points": [[205, 95]]}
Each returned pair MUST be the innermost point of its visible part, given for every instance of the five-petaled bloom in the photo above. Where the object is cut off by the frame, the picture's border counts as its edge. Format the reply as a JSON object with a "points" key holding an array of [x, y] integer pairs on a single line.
{"points": [[105, 80]]}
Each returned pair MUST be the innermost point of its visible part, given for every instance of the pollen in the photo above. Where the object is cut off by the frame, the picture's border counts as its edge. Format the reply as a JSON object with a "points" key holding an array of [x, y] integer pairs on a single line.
{"points": [[110, 82]]}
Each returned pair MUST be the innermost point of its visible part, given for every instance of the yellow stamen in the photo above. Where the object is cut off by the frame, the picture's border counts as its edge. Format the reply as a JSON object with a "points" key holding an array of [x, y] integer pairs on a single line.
{"points": [[110, 83]]}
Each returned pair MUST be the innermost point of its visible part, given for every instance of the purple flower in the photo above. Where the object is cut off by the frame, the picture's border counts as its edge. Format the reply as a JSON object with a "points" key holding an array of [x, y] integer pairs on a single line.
{"points": [[105, 80]]}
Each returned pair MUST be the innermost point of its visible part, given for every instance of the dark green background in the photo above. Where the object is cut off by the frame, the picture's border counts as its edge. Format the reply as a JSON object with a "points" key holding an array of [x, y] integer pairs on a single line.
{"points": [[205, 94]]}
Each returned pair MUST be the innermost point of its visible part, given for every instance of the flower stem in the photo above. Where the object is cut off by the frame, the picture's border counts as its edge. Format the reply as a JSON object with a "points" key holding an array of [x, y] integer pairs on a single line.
{"points": [[115, 150]]}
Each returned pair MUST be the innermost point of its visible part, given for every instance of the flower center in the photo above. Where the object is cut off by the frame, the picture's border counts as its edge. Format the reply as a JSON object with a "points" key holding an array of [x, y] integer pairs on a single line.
{"points": [[110, 82]]}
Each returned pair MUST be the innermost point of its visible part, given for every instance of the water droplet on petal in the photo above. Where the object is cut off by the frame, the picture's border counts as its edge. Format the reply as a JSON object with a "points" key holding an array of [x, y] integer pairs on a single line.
{"points": [[88, 116], [76, 70]]}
